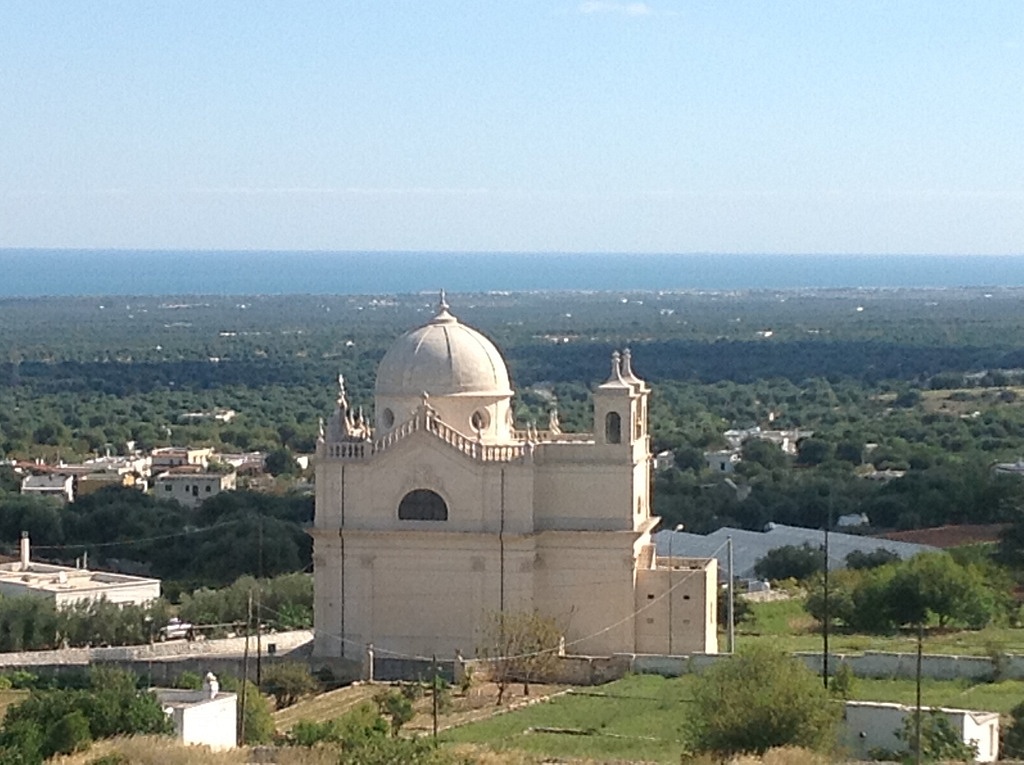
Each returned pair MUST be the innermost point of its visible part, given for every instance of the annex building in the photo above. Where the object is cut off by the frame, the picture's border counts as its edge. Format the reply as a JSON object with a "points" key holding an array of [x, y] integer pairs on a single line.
{"points": [[441, 514]]}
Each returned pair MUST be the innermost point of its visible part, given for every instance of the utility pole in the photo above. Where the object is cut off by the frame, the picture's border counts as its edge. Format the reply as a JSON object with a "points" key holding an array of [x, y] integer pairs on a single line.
{"points": [[245, 674], [826, 615], [731, 615], [259, 641], [433, 694], [917, 710], [259, 612]]}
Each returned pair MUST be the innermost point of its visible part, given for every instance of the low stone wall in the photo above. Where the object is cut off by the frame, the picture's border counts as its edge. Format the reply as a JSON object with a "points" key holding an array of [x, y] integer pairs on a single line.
{"points": [[165, 661], [567, 670], [870, 664], [878, 664], [277, 642]]}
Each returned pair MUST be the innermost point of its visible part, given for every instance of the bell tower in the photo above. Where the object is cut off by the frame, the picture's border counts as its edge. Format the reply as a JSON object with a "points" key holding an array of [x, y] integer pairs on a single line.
{"points": [[620, 408]]}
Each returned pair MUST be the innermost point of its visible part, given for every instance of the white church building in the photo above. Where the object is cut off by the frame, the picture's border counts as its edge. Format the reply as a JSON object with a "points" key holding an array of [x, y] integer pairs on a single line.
{"points": [[441, 514]]}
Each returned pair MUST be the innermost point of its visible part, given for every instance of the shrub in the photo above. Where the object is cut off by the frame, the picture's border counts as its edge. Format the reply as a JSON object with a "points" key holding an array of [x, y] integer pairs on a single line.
{"points": [[395, 706], [939, 741], [1012, 745], [68, 735], [759, 699], [288, 682]]}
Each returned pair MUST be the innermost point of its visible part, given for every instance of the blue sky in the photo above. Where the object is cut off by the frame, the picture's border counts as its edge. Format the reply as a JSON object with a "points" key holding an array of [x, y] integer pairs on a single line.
{"points": [[660, 126]]}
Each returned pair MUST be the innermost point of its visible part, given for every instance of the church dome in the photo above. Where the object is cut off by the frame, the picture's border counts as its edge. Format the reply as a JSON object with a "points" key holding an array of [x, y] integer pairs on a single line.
{"points": [[443, 358]]}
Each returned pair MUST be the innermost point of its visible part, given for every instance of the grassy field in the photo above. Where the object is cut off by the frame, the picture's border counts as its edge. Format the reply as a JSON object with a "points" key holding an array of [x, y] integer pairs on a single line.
{"points": [[988, 697], [787, 627], [636, 718]]}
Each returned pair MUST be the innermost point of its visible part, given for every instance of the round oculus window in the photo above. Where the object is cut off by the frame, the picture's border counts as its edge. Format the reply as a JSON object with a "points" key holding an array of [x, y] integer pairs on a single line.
{"points": [[480, 419], [388, 418]]}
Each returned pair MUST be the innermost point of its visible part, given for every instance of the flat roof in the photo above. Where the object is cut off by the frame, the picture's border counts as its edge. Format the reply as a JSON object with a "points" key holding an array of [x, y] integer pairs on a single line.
{"points": [[45, 577]]}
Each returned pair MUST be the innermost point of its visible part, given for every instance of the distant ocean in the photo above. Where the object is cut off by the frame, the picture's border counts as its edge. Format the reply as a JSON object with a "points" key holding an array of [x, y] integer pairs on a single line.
{"points": [[35, 273]]}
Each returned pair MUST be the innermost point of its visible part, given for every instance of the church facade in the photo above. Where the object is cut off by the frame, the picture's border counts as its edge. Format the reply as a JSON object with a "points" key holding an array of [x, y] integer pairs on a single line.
{"points": [[441, 514]]}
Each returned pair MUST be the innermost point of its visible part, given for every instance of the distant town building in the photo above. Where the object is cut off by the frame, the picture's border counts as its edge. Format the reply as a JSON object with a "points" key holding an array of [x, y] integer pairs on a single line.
{"points": [[192, 487], [65, 585], [884, 476], [786, 440], [92, 482], [724, 461], [852, 520], [169, 457], [244, 463], [1009, 468], [50, 485], [665, 460], [216, 415]]}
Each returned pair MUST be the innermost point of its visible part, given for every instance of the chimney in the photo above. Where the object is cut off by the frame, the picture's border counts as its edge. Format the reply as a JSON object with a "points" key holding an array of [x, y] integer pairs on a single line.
{"points": [[24, 551]]}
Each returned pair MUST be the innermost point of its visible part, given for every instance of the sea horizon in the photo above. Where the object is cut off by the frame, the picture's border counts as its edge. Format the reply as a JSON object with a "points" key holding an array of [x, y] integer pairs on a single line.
{"points": [[42, 272]]}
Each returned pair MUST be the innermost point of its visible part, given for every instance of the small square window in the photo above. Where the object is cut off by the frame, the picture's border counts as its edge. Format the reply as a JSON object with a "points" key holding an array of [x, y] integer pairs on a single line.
{"points": [[167, 487], [208, 488], [650, 596]]}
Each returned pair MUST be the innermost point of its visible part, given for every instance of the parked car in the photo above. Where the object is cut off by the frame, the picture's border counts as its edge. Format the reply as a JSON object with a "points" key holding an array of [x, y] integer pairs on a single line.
{"points": [[176, 629]]}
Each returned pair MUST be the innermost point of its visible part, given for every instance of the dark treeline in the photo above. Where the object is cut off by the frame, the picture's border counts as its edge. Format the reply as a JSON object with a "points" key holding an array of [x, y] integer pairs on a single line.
{"points": [[232, 534], [926, 382]]}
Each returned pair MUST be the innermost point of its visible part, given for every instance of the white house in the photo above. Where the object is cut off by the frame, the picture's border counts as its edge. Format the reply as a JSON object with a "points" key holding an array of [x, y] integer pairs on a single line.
{"points": [[50, 485], [869, 725], [65, 585]]}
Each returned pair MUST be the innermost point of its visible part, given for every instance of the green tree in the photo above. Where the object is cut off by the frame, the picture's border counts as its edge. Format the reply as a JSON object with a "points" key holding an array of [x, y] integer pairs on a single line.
{"points": [[813, 451], [281, 462], [790, 561], [1012, 745], [759, 699], [859, 559], [764, 452], [287, 682]]}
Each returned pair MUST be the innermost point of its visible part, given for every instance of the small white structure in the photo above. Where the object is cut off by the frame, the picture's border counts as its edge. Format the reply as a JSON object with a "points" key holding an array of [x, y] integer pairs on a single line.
{"points": [[853, 520], [872, 725], [207, 717], [65, 585], [191, 487], [50, 485], [723, 461], [665, 460], [1009, 468]]}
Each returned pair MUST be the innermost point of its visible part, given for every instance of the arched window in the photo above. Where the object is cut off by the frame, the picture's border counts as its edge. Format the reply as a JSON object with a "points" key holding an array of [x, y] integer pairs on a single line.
{"points": [[422, 505], [613, 428]]}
